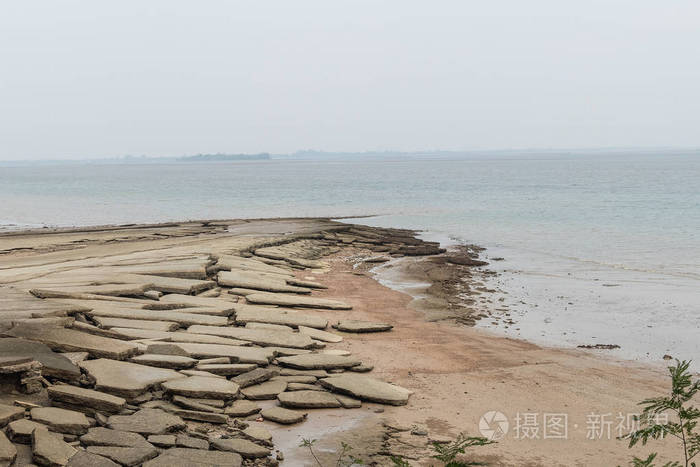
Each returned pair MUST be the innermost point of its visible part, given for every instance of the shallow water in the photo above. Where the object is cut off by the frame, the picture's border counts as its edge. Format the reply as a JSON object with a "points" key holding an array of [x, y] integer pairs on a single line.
{"points": [[606, 247]]}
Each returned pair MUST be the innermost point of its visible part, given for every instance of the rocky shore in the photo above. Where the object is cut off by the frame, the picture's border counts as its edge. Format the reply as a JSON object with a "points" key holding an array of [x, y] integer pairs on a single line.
{"points": [[230, 342]]}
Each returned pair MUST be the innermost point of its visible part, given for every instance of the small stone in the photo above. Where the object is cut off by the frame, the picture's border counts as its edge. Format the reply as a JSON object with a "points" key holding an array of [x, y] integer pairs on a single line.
{"points": [[351, 325], [247, 449], [419, 431], [49, 449], [61, 420], [242, 408], [282, 415]]}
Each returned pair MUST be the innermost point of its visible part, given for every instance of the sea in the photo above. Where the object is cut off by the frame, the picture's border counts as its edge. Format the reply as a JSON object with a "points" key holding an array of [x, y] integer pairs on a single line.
{"points": [[597, 248]]}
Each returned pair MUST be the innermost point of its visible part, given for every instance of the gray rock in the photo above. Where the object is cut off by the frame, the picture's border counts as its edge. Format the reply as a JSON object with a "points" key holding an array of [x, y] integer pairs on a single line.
{"points": [[166, 348], [192, 404], [261, 337], [319, 335], [182, 457], [261, 314], [20, 431], [201, 416], [100, 436], [125, 456], [203, 387], [227, 369], [49, 449], [185, 441], [238, 354], [88, 459], [61, 420], [348, 402], [318, 361], [9, 413], [147, 422], [308, 400], [8, 451], [366, 388], [282, 415], [163, 441], [54, 365], [242, 408], [175, 362], [256, 376], [280, 299], [69, 340], [247, 449], [258, 433], [126, 379], [264, 391], [85, 399], [351, 325]]}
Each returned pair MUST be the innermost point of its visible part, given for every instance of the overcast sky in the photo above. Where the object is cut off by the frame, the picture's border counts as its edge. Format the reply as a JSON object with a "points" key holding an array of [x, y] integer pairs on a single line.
{"points": [[88, 79]]}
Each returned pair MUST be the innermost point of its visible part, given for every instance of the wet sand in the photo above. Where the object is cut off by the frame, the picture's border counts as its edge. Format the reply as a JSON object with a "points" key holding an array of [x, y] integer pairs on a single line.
{"points": [[457, 373]]}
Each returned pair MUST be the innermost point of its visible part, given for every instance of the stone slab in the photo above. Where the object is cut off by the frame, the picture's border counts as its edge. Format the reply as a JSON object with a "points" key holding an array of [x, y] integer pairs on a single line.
{"points": [[53, 364], [353, 325], [317, 361], [85, 398], [182, 457], [200, 386], [20, 431], [366, 388], [108, 323], [262, 314], [251, 280], [182, 318], [8, 451], [101, 436], [308, 400], [69, 340], [247, 449], [61, 420], [227, 369], [242, 408], [238, 354], [319, 335], [88, 459], [175, 362], [49, 448], [126, 379], [123, 455], [177, 337], [147, 422], [255, 376], [264, 391], [262, 337], [282, 415], [280, 299], [9, 413]]}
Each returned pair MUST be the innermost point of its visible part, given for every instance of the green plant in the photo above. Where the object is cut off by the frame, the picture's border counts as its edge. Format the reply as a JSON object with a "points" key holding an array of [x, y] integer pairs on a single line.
{"points": [[344, 451], [683, 424], [447, 453]]}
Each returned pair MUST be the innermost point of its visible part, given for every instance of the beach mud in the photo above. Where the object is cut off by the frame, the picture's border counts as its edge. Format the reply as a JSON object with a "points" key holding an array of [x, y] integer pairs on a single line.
{"points": [[231, 342]]}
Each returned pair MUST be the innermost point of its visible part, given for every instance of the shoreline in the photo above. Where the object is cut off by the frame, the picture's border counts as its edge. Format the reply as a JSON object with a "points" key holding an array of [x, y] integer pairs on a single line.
{"points": [[456, 372]]}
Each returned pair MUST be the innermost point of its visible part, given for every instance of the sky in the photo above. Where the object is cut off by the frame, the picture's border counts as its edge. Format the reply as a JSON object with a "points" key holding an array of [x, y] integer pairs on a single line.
{"points": [[98, 78]]}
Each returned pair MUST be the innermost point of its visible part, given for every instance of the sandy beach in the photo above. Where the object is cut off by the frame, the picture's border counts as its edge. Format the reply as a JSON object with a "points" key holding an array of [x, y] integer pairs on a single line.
{"points": [[253, 282]]}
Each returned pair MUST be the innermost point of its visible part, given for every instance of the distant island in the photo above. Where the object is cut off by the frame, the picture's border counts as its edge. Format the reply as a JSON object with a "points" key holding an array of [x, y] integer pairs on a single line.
{"points": [[224, 157]]}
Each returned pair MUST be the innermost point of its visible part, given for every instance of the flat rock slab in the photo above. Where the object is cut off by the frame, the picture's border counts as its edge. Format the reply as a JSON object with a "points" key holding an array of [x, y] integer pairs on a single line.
{"points": [[238, 354], [258, 433], [252, 280], [88, 459], [101, 436], [9, 413], [261, 314], [108, 323], [283, 416], [279, 299], [264, 337], [200, 416], [227, 369], [308, 400], [147, 422], [318, 361], [166, 349], [203, 387], [366, 388], [69, 340], [242, 408], [53, 364], [176, 337], [320, 335], [194, 404], [229, 262], [85, 398], [188, 301], [176, 362], [247, 449], [352, 325], [125, 456], [50, 449], [8, 451], [265, 391], [182, 318], [61, 420], [126, 379], [20, 431], [256, 376], [182, 457]]}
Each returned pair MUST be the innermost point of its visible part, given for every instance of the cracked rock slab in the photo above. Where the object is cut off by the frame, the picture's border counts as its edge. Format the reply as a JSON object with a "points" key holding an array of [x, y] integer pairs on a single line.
{"points": [[147, 422], [366, 388], [126, 379], [183, 457], [317, 361], [202, 387]]}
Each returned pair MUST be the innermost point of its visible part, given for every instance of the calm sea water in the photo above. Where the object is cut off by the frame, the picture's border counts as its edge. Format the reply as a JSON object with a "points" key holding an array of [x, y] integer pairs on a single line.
{"points": [[606, 248]]}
